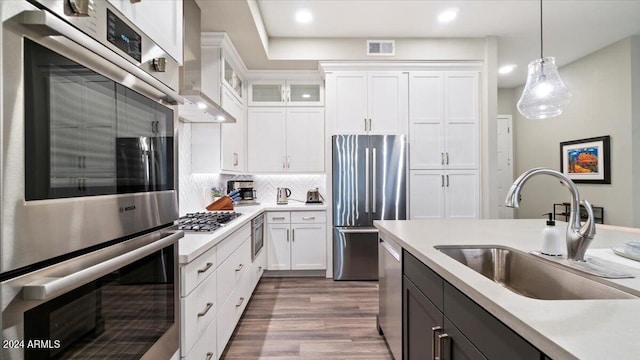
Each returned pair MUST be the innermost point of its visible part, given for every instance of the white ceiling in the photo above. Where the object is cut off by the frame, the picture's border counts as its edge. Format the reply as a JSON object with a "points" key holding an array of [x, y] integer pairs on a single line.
{"points": [[572, 28]]}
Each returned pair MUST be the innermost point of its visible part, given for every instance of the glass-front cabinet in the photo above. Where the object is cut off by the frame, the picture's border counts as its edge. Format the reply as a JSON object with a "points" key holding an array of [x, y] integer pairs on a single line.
{"points": [[232, 79], [286, 93]]}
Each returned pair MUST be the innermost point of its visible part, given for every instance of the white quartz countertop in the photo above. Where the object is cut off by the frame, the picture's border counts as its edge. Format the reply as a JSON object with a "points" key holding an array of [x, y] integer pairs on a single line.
{"points": [[562, 329], [194, 244]]}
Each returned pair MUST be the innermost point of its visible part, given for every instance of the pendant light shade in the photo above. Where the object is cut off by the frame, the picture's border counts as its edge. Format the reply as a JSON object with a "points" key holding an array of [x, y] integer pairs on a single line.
{"points": [[545, 95]]}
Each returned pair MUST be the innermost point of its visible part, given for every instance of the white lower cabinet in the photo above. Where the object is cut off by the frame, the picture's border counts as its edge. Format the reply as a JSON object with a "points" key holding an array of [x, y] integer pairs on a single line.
{"points": [[198, 309], [296, 240], [444, 194], [215, 288]]}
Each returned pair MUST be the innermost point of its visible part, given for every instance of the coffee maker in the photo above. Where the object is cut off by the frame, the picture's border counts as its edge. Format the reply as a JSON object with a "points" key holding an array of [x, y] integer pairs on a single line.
{"points": [[247, 192]]}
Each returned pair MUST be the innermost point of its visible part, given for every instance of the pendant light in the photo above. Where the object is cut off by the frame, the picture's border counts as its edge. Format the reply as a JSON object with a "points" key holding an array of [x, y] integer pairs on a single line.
{"points": [[545, 95]]}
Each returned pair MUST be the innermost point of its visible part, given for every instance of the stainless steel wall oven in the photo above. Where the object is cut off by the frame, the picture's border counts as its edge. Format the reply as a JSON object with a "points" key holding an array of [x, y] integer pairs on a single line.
{"points": [[88, 185]]}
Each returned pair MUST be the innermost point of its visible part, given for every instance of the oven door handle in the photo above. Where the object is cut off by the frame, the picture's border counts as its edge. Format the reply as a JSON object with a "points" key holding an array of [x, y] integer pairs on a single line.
{"points": [[50, 287], [54, 26]]}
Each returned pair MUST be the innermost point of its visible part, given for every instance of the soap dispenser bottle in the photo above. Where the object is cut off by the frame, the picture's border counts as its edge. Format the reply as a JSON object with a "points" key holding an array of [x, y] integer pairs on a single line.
{"points": [[551, 241]]}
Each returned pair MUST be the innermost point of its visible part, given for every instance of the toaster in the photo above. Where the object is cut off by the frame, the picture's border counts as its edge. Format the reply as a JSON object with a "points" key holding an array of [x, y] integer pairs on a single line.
{"points": [[314, 197]]}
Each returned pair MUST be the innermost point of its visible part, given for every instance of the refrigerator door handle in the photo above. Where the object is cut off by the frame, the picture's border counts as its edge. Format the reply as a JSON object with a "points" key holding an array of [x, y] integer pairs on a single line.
{"points": [[366, 181], [358, 231], [373, 177]]}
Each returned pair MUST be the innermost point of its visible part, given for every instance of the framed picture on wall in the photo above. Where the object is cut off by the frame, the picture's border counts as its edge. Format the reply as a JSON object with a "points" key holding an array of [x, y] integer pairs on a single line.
{"points": [[586, 160]]}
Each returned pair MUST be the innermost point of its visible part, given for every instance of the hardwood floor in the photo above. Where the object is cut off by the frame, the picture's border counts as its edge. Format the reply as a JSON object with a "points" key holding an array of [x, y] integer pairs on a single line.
{"points": [[311, 319]]}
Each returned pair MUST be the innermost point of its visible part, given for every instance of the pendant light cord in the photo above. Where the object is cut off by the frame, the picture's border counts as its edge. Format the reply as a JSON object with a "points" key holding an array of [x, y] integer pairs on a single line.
{"points": [[541, 30]]}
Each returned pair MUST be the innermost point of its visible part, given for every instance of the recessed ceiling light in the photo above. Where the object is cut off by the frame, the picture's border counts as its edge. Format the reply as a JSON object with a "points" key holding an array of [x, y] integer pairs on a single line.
{"points": [[506, 69], [304, 16], [220, 118], [448, 15], [202, 105], [306, 96]]}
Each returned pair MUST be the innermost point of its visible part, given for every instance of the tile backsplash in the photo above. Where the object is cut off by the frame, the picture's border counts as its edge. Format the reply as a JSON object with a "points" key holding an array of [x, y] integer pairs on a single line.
{"points": [[194, 189]]}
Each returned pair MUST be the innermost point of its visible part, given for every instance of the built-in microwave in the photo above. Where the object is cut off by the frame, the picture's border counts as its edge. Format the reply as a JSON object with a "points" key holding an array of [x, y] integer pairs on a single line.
{"points": [[257, 235]]}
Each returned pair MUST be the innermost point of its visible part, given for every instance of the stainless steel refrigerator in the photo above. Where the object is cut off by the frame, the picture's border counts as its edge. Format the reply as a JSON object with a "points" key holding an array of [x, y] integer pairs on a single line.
{"points": [[369, 183]]}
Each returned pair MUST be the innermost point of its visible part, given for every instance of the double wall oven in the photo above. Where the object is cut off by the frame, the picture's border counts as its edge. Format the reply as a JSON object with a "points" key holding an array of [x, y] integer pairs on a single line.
{"points": [[88, 261]]}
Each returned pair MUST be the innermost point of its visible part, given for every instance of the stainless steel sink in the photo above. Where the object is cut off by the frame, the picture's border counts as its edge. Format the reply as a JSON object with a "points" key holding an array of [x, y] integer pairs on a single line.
{"points": [[527, 275]]}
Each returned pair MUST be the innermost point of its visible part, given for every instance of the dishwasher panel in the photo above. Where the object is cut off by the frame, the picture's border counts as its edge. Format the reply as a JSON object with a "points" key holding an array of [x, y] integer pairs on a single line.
{"points": [[390, 285]]}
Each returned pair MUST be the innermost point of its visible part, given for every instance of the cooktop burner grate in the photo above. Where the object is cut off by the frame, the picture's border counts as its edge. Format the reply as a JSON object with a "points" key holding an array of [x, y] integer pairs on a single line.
{"points": [[205, 221]]}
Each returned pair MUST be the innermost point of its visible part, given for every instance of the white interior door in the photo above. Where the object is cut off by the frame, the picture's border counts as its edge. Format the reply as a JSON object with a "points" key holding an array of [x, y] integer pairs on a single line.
{"points": [[505, 163]]}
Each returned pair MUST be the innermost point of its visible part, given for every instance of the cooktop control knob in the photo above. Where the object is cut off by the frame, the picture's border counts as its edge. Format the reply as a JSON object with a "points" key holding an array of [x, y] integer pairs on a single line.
{"points": [[159, 64]]}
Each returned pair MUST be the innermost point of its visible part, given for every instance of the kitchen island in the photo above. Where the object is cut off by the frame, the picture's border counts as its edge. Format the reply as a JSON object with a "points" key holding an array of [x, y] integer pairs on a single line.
{"points": [[561, 329]]}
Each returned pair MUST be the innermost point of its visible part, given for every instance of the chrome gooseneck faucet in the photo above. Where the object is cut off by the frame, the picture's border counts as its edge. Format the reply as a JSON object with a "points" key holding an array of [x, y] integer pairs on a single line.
{"points": [[578, 237]]}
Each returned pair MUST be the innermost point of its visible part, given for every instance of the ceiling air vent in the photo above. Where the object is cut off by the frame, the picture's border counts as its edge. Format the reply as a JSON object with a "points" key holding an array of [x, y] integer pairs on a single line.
{"points": [[381, 47]]}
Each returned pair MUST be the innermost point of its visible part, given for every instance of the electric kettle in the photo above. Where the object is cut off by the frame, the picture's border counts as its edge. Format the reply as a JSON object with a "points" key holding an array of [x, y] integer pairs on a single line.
{"points": [[283, 196]]}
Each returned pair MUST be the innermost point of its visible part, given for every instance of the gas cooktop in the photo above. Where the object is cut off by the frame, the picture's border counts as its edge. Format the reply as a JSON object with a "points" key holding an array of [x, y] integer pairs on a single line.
{"points": [[206, 221]]}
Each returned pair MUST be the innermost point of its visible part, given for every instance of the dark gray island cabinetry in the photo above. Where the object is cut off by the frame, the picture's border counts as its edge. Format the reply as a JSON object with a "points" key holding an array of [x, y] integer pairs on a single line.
{"points": [[441, 322]]}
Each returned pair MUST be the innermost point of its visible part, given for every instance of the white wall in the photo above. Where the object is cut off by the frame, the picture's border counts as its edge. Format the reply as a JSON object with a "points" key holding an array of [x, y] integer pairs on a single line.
{"points": [[601, 105], [635, 126], [507, 100]]}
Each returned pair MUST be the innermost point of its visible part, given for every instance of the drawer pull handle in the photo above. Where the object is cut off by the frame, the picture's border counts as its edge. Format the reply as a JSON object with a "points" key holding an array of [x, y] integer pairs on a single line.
{"points": [[239, 267], [278, 218], [309, 218], [209, 356], [435, 330], [240, 303], [259, 268], [209, 265], [206, 310]]}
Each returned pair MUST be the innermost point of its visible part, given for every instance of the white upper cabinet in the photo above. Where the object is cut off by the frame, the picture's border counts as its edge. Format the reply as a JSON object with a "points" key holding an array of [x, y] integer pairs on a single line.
{"points": [[222, 69], [367, 102], [286, 93], [285, 139], [222, 80], [161, 20], [232, 79], [444, 120]]}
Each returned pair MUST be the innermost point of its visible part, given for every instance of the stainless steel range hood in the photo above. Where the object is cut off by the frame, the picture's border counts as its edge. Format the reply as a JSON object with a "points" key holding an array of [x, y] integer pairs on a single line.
{"points": [[197, 107]]}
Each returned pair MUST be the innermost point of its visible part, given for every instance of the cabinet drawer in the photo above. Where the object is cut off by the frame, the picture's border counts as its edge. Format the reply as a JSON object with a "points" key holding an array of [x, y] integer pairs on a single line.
{"points": [[196, 271], [278, 217], [232, 270], [205, 348], [231, 311], [425, 279], [197, 311], [494, 339], [301, 217], [227, 246]]}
